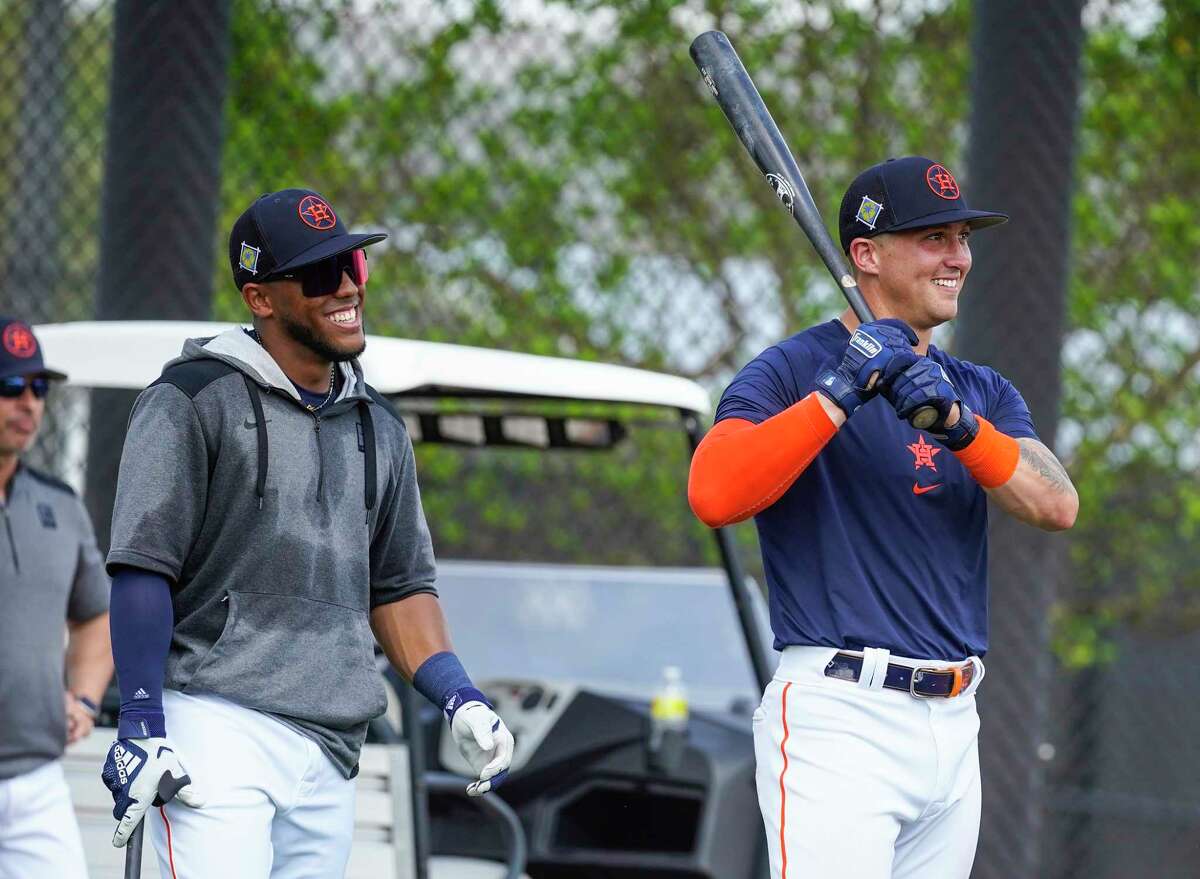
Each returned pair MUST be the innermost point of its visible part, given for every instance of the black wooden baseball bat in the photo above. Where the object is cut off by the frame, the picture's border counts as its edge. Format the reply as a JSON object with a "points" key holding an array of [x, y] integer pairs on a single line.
{"points": [[743, 106], [133, 852]]}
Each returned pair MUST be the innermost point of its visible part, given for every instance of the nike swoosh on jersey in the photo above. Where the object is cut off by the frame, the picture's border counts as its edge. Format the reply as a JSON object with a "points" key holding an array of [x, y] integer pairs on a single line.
{"points": [[922, 489]]}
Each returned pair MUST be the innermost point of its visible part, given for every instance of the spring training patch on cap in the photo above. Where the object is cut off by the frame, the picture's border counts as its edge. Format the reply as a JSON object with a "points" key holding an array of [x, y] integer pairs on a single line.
{"points": [[868, 212], [248, 258], [19, 341], [317, 213]]}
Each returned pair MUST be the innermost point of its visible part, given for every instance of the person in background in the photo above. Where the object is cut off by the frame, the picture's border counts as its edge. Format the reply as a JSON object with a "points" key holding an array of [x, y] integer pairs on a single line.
{"points": [[51, 575]]}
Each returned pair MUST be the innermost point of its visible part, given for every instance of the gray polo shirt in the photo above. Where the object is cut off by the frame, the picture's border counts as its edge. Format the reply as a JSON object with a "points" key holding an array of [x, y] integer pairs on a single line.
{"points": [[50, 572]]}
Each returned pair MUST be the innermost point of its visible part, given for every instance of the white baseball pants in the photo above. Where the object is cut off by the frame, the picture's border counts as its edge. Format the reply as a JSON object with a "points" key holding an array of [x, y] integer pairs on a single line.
{"points": [[855, 780], [38, 833], [275, 805]]}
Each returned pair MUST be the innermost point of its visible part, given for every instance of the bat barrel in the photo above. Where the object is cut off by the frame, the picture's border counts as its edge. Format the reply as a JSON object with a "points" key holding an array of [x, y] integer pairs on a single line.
{"points": [[743, 106], [746, 111]]}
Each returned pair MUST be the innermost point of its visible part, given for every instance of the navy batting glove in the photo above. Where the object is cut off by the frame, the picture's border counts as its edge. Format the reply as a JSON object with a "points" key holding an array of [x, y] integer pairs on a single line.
{"points": [[962, 434], [877, 350], [925, 383]]}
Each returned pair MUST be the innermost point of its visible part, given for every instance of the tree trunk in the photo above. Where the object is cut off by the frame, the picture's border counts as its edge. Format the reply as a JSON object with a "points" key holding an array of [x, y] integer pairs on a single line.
{"points": [[161, 190], [1024, 95]]}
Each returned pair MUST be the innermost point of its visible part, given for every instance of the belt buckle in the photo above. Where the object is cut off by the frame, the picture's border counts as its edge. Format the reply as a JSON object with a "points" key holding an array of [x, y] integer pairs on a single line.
{"points": [[919, 674]]}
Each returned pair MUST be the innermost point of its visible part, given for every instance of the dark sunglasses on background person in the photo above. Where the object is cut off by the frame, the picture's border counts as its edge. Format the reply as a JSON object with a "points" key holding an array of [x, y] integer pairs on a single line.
{"points": [[325, 277], [14, 386]]}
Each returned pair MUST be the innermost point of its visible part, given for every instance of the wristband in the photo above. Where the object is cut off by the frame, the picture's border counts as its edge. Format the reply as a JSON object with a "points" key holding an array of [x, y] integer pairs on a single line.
{"points": [[89, 706], [443, 681], [142, 725], [992, 457]]}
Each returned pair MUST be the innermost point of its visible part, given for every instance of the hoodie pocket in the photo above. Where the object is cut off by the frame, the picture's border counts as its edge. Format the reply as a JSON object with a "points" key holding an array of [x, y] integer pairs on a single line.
{"points": [[296, 657]]}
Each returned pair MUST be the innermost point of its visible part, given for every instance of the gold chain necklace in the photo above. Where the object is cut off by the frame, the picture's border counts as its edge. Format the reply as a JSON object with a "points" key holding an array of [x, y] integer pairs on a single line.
{"points": [[332, 375]]}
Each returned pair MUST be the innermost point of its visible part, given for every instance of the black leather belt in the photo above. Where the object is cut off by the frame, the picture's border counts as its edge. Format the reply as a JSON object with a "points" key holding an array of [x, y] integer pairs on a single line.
{"points": [[921, 682]]}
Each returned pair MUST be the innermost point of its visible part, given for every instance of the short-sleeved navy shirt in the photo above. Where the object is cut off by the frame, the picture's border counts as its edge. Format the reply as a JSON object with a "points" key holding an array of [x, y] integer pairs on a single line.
{"points": [[882, 541]]}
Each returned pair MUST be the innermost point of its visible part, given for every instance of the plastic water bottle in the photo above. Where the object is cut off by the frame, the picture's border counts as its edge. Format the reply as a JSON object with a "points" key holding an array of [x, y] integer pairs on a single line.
{"points": [[668, 721]]}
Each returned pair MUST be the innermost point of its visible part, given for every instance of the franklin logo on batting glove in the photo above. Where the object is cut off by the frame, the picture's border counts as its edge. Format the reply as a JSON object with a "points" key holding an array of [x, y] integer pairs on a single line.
{"points": [[865, 343], [875, 353]]}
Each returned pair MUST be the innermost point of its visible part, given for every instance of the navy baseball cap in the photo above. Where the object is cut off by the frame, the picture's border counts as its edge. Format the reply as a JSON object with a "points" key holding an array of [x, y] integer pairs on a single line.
{"points": [[285, 230], [20, 353], [908, 193]]}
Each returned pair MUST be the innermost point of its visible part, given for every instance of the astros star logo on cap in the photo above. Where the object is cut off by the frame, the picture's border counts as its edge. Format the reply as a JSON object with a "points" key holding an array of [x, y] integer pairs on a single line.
{"points": [[317, 213], [942, 182], [19, 340]]}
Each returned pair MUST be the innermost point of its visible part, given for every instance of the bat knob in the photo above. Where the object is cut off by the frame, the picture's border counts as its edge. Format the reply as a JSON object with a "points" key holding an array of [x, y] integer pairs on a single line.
{"points": [[924, 418]]}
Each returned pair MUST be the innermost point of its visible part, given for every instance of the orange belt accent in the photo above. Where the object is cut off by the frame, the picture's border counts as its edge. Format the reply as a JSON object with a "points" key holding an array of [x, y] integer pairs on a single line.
{"points": [[960, 679], [992, 457], [741, 468]]}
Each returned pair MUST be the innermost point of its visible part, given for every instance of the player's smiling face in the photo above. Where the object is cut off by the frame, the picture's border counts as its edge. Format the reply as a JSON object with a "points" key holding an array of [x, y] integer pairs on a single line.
{"points": [[330, 326], [922, 272]]}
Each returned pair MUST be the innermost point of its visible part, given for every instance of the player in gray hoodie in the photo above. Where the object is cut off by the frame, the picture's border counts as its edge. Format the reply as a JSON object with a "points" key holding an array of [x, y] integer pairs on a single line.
{"points": [[267, 523]]}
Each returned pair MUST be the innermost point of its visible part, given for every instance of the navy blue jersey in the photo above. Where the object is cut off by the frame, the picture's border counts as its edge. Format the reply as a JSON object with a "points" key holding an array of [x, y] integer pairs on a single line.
{"points": [[882, 541]]}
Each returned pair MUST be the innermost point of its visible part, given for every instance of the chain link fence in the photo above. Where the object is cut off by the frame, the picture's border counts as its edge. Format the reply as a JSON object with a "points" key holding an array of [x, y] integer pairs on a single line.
{"points": [[554, 179]]}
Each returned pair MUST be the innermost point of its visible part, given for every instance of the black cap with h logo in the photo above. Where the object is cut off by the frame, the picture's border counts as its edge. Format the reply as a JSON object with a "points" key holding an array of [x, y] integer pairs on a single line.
{"points": [[20, 353], [285, 230], [908, 193]]}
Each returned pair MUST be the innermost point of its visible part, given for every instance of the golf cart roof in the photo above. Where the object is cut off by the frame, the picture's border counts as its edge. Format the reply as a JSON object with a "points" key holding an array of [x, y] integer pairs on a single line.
{"points": [[130, 355]]}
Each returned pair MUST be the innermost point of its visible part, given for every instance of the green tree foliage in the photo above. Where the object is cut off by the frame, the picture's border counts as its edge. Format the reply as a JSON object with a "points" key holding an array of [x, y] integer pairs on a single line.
{"points": [[1132, 399], [557, 180], [563, 184]]}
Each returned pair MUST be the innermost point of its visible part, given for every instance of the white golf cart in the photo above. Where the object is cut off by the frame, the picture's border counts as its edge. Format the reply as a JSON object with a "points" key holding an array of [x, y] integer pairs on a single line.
{"points": [[571, 653]]}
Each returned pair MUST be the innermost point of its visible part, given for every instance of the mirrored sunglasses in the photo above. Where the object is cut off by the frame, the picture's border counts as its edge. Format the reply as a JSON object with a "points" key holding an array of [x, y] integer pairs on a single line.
{"points": [[14, 386], [325, 277]]}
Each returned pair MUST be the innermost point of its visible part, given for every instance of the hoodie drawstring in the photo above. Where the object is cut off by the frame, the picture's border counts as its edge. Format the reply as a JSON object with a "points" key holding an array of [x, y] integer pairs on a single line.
{"points": [[260, 431], [369, 486]]}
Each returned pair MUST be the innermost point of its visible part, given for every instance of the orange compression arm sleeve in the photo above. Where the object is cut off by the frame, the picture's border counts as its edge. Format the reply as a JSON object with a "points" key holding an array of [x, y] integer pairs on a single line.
{"points": [[741, 468], [992, 457]]}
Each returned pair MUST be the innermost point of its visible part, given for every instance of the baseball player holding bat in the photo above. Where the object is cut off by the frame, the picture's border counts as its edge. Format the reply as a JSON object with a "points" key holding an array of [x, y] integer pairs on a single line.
{"points": [[267, 523], [874, 543]]}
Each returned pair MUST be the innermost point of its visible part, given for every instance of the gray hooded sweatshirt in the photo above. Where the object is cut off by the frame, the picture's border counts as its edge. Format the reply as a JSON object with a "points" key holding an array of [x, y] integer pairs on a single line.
{"points": [[280, 530]]}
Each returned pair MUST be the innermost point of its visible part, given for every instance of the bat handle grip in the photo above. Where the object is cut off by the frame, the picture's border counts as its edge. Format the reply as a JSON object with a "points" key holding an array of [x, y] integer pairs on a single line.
{"points": [[923, 418], [133, 852]]}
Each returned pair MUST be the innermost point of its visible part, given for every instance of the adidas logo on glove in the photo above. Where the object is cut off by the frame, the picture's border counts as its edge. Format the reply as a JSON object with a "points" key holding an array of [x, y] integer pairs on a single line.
{"points": [[126, 762]]}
